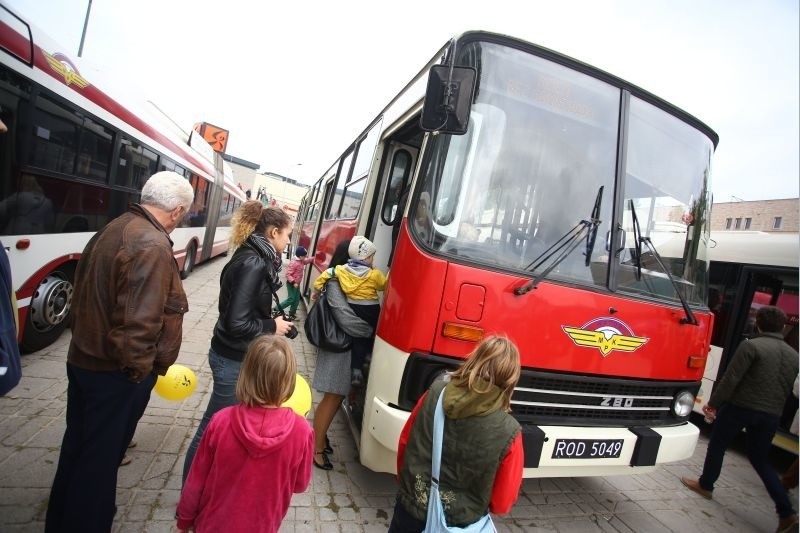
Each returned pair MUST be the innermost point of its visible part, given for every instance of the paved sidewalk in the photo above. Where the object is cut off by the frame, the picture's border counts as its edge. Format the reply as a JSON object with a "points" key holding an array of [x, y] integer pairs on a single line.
{"points": [[349, 498]]}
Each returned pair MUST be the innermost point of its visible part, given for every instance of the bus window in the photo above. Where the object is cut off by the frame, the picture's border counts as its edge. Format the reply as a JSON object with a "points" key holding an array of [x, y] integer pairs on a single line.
{"points": [[366, 149], [398, 181], [352, 198], [199, 209], [14, 99], [136, 164], [165, 163], [344, 171], [94, 154], [667, 170], [316, 205], [225, 210], [55, 134]]}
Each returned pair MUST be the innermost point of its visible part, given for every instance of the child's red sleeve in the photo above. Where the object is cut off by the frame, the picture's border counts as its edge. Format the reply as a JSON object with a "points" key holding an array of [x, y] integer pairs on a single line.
{"points": [[508, 478], [401, 445]]}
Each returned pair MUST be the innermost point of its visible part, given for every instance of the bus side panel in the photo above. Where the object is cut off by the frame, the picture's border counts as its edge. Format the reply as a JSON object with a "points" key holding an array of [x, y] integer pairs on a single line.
{"points": [[411, 304], [568, 329]]}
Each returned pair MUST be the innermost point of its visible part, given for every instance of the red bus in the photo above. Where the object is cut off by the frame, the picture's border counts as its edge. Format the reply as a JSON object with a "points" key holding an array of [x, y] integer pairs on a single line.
{"points": [[512, 190], [72, 159]]}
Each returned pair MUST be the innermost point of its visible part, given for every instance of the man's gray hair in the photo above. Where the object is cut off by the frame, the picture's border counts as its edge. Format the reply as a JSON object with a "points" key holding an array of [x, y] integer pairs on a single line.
{"points": [[167, 190]]}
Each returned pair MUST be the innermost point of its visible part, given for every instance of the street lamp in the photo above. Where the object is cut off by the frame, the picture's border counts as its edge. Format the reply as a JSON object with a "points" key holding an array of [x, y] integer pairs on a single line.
{"points": [[85, 25]]}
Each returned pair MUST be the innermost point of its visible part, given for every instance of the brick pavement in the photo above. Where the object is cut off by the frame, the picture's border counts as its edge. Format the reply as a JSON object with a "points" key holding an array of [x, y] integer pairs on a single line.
{"points": [[349, 498]]}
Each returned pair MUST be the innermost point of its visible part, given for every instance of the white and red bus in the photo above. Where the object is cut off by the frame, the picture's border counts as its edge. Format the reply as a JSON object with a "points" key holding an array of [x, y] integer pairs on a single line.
{"points": [[750, 269], [548, 201], [73, 158]]}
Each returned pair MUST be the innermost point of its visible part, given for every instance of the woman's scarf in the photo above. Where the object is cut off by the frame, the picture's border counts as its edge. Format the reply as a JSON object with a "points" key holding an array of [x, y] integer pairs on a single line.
{"points": [[263, 247]]}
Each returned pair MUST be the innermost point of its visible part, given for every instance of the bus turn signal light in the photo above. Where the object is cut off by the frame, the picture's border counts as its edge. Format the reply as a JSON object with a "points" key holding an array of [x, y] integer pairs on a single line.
{"points": [[23, 244], [696, 361], [462, 332]]}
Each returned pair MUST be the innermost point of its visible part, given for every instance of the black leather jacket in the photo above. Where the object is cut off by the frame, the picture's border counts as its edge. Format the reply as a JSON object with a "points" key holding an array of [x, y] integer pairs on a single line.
{"points": [[245, 303]]}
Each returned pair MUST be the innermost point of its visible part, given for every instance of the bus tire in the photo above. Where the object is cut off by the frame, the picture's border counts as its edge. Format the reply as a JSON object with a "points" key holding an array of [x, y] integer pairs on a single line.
{"points": [[188, 263], [48, 313]]}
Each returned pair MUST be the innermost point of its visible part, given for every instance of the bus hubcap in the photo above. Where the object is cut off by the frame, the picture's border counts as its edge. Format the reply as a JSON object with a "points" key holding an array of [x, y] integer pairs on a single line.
{"points": [[51, 302]]}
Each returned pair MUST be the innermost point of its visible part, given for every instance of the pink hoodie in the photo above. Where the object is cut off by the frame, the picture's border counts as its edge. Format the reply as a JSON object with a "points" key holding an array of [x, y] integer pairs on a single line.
{"points": [[250, 461], [294, 272]]}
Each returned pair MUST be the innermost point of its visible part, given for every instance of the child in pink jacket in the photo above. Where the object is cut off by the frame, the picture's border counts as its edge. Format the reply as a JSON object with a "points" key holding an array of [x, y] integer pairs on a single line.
{"points": [[294, 275], [253, 456]]}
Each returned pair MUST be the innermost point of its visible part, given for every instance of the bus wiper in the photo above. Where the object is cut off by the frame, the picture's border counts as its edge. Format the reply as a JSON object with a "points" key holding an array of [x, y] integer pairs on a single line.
{"points": [[564, 246], [637, 234], [595, 220]]}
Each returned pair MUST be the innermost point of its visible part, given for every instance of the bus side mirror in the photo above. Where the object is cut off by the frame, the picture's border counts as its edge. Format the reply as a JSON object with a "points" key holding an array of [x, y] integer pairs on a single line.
{"points": [[448, 99]]}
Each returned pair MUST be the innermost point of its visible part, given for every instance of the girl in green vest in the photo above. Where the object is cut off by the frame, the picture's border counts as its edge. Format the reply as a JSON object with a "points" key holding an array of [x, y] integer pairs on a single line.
{"points": [[482, 456]]}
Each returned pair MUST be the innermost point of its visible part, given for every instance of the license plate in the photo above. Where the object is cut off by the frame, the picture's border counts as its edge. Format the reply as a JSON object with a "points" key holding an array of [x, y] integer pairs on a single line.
{"points": [[587, 449]]}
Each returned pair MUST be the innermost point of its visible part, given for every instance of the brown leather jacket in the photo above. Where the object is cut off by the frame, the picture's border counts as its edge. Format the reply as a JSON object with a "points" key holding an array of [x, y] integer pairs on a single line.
{"points": [[128, 304]]}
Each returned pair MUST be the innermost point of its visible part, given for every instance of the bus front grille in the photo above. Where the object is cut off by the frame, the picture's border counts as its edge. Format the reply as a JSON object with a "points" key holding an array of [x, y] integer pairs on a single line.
{"points": [[544, 398]]}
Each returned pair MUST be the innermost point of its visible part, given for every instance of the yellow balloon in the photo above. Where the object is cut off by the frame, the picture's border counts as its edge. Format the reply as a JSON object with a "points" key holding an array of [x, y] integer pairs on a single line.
{"points": [[178, 383], [300, 401]]}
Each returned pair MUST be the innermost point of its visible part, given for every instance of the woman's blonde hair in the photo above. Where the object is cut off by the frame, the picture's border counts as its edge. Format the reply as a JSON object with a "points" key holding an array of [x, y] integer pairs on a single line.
{"points": [[268, 372], [495, 361], [252, 217]]}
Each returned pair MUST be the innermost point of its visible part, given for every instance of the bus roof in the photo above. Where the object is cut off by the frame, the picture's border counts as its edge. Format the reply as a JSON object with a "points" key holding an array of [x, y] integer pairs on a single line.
{"points": [[25, 49], [755, 248]]}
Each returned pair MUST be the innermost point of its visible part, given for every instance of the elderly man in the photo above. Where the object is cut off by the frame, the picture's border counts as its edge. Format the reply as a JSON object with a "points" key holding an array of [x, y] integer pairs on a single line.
{"points": [[127, 315], [751, 396]]}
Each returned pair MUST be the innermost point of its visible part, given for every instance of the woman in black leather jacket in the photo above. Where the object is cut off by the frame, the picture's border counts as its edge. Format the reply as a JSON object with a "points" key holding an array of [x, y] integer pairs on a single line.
{"points": [[259, 235]]}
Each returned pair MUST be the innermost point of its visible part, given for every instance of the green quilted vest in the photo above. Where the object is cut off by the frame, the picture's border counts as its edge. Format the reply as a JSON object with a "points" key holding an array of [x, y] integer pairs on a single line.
{"points": [[472, 450]]}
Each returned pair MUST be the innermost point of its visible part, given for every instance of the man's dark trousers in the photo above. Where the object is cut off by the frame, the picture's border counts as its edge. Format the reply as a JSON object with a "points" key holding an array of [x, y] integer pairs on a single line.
{"points": [[761, 428], [103, 409]]}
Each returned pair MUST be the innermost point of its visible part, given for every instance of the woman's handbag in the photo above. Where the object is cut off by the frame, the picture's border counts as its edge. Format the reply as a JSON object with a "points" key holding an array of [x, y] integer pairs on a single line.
{"points": [[435, 521], [322, 330]]}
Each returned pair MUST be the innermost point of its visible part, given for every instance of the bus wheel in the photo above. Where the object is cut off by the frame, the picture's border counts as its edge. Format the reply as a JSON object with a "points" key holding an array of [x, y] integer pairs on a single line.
{"points": [[188, 263], [49, 311]]}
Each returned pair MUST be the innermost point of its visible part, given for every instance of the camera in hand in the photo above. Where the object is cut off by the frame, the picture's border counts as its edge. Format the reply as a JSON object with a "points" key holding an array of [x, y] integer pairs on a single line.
{"points": [[292, 333]]}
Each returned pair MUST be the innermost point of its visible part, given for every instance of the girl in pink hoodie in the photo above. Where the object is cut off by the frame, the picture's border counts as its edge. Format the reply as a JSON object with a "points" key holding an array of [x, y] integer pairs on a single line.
{"points": [[253, 456]]}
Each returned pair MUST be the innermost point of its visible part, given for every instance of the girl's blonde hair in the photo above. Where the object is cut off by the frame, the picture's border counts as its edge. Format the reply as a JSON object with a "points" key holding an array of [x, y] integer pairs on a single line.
{"points": [[268, 372], [252, 217], [495, 361]]}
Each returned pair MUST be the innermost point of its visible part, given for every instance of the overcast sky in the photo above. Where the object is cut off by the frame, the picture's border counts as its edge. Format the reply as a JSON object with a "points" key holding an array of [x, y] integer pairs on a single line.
{"points": [[295, 83]]}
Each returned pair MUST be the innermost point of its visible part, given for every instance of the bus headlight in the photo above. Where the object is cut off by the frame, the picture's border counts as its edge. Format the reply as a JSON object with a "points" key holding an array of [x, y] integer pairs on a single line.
{"points": [[683, 404]]}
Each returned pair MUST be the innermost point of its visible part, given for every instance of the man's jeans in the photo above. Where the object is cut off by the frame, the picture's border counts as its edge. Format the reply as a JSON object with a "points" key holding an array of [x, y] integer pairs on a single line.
{"points": [[760, 430], [226, 373]]}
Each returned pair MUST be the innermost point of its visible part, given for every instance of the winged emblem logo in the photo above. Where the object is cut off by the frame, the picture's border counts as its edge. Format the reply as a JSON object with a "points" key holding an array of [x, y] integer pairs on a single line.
{"points": [[64, 67], [606, 334]]}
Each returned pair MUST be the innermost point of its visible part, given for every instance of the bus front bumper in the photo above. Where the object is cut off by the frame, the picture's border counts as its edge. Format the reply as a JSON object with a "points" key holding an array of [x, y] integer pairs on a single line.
{"points": [[563, 451]]}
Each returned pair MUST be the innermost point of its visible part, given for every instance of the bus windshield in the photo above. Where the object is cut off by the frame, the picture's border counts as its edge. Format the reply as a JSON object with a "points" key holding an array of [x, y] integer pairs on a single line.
{"points": [[542, 141]]}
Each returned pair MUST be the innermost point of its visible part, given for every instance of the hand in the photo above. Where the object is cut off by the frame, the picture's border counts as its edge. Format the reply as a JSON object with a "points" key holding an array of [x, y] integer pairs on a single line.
{"points": [[710, 413], [314, 296], [282, 326]]}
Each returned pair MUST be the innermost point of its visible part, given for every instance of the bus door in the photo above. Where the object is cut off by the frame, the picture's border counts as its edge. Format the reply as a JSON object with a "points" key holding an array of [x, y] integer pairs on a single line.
{"points": [[395, 187], [760, 286], [213, 206], [736, 292]]}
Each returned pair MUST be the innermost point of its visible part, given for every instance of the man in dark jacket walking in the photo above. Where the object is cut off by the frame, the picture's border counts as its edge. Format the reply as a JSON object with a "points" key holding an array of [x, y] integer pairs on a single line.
{"points": [[127, 315], [751, 396]]}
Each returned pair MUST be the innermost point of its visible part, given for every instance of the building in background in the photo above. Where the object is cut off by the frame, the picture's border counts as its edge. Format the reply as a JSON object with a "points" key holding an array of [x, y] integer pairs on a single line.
{"points": [[286, 193], [758, 215]]}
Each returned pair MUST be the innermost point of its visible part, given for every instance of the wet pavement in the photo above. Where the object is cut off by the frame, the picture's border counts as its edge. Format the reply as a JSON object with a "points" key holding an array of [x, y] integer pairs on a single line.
{"points": [[349, 498]]}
